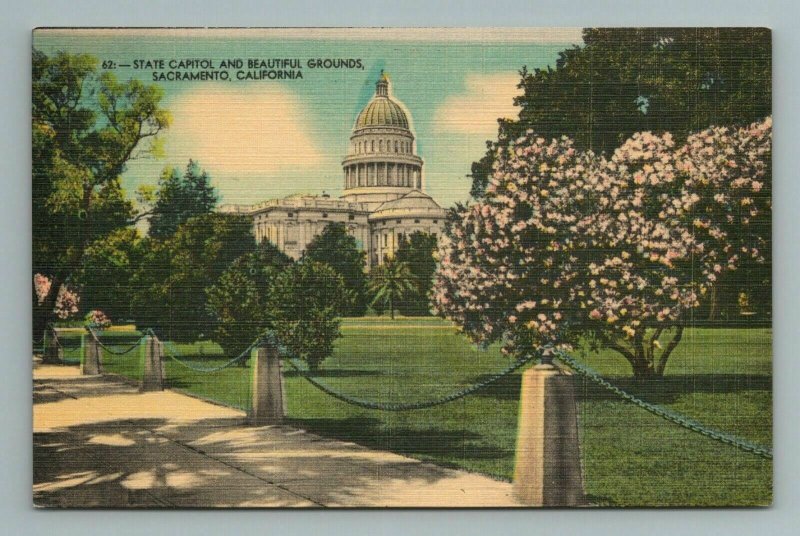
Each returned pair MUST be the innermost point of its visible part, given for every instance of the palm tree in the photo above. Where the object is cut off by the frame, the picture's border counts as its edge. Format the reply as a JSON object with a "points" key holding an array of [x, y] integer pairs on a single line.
{"points": [[389, 281]]}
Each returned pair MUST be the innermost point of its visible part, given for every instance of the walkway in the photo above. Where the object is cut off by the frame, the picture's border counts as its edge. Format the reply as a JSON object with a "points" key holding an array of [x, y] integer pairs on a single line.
{"points": [[98, 442]]}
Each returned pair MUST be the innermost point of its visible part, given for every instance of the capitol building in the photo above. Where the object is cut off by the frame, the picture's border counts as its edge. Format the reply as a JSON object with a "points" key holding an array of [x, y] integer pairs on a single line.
{"points": [[383, 200]]}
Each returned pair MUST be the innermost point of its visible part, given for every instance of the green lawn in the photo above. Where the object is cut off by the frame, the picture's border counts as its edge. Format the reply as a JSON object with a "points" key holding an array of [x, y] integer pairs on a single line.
{"points": [[721, 377]]}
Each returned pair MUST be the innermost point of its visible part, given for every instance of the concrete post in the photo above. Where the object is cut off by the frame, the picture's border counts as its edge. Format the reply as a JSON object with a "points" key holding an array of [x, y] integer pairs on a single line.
{"points": [[547, 471], [267, 390], [53, 353], [152, 373], [90, 363]]}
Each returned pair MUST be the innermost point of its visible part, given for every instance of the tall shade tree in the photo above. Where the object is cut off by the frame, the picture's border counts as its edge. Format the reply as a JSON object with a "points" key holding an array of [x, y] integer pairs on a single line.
{"points": [[389, 283], [339, 250], [626, 80], [108, 265], [417, 251], [179, 198], [86, 128], [170, 287], [238, 300]]}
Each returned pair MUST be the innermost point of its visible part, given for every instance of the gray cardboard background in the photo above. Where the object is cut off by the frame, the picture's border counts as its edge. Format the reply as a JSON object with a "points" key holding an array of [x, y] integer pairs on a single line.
{"points": [[18, 18]]}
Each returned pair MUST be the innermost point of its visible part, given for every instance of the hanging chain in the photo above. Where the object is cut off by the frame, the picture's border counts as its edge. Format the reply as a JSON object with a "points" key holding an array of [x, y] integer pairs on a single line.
{"points": [[408, 406], [664, 413], [115, 352], [171, 352]]}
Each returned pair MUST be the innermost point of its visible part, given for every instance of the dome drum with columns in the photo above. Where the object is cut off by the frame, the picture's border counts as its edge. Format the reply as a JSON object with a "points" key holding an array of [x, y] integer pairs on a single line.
{"points": [[383, 200]]}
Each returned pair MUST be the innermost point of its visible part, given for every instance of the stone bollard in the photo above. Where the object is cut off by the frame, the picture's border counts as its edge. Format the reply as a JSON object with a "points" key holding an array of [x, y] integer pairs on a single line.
{"points": [[268, 404], [153, 368], [53, 353], [547, 471], [90, 359]]}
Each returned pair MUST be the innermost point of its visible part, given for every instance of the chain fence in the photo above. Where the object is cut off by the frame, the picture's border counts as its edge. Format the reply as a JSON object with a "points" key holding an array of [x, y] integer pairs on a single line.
{"points": [[113, 351], [219, 384], [581, 369], [667, 414], [70, 353], [408, 406], [172, 352]]}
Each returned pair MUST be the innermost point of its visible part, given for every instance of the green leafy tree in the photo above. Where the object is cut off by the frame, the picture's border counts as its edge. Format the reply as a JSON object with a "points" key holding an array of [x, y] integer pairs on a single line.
{"points": [[237, 301], [339, 250], [181, 197], [626, 80], [304, 305], [389, 282], [104, 280], [170, 287], [417, 252], [86, 128]]}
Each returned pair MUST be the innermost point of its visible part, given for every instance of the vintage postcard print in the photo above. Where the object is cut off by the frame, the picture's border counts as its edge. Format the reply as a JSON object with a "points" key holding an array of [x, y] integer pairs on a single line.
{"points": [[391, 267]]}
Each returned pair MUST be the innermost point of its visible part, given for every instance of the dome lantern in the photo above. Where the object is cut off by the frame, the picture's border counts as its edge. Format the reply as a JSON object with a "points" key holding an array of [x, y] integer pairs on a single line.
{"points": [[382, 86]]}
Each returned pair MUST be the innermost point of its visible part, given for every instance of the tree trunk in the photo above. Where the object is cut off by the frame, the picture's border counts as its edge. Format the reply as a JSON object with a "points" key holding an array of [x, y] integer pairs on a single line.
{"points": [[712, 311], [43, 314], [644, 370], [637, 357], [391, 307]]}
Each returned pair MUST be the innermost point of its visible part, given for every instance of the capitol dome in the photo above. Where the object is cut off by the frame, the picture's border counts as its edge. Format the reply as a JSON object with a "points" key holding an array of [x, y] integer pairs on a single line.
{"points": [[381, 163], [382, 111]]}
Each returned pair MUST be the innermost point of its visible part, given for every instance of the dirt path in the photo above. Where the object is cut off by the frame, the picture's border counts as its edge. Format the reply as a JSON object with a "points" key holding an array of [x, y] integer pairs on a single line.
{"points": [[98, 442]]}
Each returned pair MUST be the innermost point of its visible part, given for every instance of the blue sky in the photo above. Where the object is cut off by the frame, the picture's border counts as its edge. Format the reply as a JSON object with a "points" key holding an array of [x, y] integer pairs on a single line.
{"points": [[264, 139]]}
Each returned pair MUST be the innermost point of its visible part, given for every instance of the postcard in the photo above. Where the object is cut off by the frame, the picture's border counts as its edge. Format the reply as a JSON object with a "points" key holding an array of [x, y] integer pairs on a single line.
{"points": [[401, 267]]}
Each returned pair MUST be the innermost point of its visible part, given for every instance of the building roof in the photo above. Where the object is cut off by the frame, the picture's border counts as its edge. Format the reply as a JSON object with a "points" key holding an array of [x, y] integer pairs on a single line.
{"points": [[382, 110], [413, 204]]}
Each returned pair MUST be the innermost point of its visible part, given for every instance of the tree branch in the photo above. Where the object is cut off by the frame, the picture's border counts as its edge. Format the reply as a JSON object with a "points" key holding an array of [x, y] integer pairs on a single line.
{"points": [[651, 344], [139, 217], [662, 363], [626, 353]]}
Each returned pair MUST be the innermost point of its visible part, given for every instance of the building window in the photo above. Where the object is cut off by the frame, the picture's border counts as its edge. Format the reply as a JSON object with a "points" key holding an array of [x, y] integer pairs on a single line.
{"points": [[435, 221], [385, 240], [416, 221], [380, 145], [373, 146], [324, 214], [290, 215], [395, 146], [399, 221], [351, 216], [400, 237]]}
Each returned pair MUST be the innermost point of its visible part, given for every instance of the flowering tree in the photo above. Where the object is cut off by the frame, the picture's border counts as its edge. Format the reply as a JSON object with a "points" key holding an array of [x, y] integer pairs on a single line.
{"points": [[97, 318], [66, 302], [509, 266], [620, 250]]}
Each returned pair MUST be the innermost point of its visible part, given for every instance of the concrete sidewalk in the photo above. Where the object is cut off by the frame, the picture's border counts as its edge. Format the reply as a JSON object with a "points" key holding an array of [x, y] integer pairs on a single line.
{"points": [[98, 442]]}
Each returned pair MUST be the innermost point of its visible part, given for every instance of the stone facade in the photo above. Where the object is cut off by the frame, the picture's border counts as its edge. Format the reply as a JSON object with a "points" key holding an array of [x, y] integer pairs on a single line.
{"points": [[383, 200]]}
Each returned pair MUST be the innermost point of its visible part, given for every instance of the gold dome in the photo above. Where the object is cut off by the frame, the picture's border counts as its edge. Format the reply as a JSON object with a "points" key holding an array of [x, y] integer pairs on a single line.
{"points": [[382, 111]]}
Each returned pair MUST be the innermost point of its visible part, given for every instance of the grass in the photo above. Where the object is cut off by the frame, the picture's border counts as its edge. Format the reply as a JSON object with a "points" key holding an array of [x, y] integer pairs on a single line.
{"points": [[721, 377]]}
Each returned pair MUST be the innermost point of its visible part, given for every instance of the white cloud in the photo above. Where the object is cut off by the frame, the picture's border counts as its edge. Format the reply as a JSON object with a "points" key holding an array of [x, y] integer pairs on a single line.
{"points": [[486, 98], [256, 130]]}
